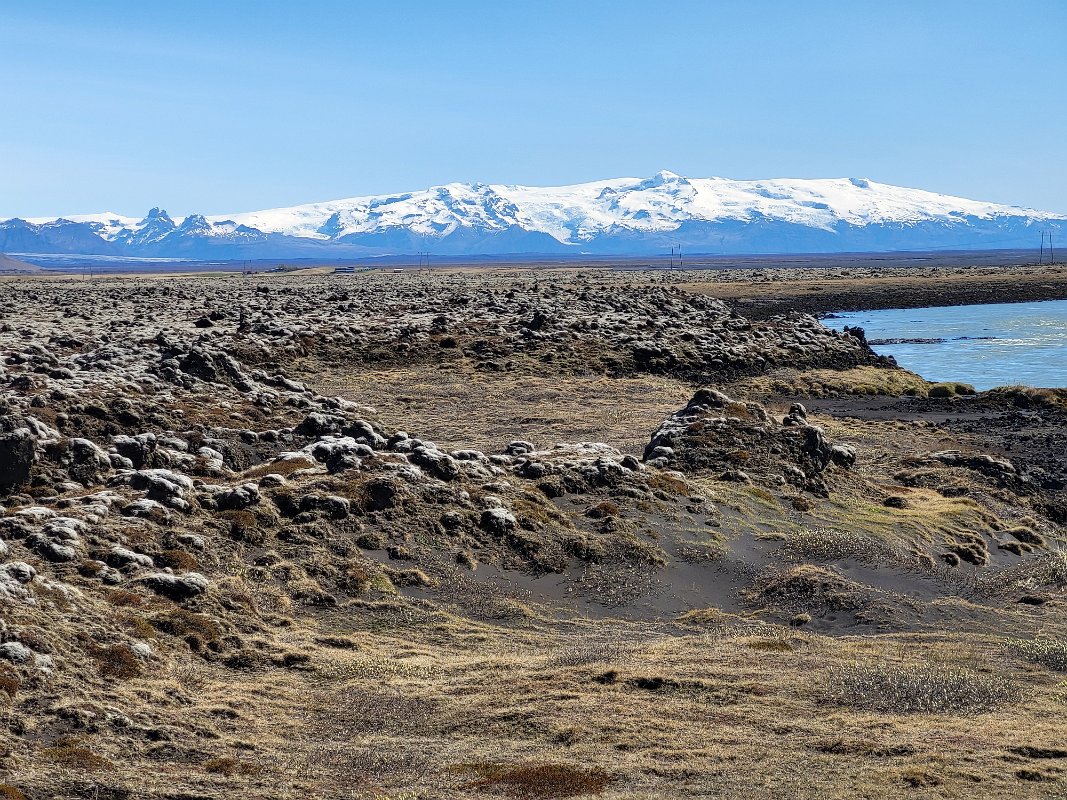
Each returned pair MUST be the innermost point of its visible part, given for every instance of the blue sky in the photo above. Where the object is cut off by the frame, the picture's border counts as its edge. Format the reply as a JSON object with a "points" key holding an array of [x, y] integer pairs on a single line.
{"points": [[226, 107]]}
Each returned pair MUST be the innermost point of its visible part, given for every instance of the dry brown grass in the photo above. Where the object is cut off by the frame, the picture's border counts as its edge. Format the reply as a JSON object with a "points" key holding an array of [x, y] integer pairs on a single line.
{"points": [[860, 381], [520, 705], [438, 404], [244, 526], [671, 484], [1029, 397], [230, 767]]}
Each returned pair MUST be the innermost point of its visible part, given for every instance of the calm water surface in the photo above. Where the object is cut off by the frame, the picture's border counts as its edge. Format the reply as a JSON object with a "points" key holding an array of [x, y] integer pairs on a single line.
{"points": [[985, 345]]}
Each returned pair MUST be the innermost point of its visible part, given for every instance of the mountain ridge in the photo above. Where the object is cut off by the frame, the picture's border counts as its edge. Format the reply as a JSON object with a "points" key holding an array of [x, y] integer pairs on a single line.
{"points": [[631, 216]]}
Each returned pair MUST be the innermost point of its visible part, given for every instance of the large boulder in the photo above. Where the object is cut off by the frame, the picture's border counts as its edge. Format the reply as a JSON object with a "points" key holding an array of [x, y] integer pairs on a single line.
{"points": [[177, 587], [89, 464], [17, 454], [203, 362]]}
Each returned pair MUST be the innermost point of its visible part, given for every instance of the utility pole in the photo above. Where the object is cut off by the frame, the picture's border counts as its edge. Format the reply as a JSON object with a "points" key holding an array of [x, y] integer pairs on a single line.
{"points": [[1051, 252], [676, 248], [1041, 257]]}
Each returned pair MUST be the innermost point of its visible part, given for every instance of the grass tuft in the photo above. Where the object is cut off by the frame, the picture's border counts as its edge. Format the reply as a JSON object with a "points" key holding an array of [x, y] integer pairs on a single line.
{"points": [[9, 681], [116, 661], [198, 630], [70, 753]]}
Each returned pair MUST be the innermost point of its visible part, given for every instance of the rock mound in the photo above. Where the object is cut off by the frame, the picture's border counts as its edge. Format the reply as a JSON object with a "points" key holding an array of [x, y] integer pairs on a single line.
{"points": [[739, 441]]}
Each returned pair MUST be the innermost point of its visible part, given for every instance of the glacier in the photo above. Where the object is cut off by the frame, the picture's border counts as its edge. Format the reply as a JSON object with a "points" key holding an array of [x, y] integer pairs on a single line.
{"points": [[622, 216]]}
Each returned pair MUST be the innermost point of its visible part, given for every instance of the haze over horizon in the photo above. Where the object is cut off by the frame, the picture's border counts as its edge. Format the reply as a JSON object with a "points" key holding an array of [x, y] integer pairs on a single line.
{"points": [[200, 109]]}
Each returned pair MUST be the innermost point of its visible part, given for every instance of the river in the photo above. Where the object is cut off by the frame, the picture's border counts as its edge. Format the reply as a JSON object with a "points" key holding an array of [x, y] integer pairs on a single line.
{"points": [[988, 345]]}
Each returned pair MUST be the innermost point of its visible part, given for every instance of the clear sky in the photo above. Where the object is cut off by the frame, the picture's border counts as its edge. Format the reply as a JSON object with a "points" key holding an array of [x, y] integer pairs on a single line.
{"points": [[220, 107]]}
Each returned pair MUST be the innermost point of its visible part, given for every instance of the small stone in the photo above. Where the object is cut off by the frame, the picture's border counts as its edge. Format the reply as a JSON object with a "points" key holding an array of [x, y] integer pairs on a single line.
{"points": [[16, 652]]}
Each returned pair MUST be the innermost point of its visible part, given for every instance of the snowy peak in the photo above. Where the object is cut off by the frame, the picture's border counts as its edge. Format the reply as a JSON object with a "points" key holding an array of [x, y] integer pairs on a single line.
{"points": [[195, 223], [624, 215], [156, 226], [664, 178], [158, 216]]}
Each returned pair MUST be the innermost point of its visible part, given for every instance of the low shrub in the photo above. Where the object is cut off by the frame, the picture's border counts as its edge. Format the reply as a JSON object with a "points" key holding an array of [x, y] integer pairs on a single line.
{"points": [[921, 689], [139, 627], [1028, 397], [605, 508], [807, 587], [355, 579], [668, 483], [770, 645], [35, 639], [1047, 652]]}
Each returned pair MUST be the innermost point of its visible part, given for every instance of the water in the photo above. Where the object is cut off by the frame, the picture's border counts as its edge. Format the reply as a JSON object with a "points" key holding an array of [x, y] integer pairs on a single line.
{"points": [[985, 345]]}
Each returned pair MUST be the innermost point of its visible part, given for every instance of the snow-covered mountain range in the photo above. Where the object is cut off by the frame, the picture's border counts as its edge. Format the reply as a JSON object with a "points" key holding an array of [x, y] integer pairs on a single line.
{"points": [[624, 216]]}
